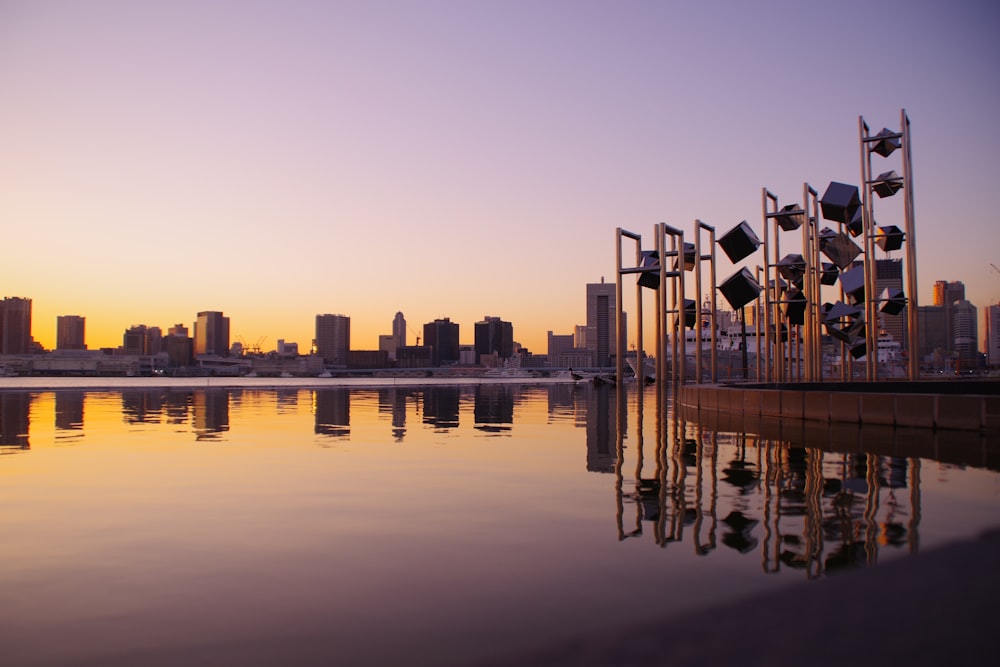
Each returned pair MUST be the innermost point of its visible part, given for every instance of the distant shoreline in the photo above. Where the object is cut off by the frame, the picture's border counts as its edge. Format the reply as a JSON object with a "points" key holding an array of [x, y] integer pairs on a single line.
{"points": [[48, 383]]}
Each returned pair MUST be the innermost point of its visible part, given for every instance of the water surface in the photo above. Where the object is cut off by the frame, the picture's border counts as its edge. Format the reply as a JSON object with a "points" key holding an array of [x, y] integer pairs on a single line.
{"points": [[419, 524]]}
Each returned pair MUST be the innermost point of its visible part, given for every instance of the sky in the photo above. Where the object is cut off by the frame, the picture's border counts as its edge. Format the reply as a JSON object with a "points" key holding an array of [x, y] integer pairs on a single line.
{"points": [[278, 160]]}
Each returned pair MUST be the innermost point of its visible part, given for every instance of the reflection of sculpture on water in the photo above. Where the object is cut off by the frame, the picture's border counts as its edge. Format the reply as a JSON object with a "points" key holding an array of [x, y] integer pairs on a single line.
{"points": [[332, 412], [14, 420], [800, 507]]}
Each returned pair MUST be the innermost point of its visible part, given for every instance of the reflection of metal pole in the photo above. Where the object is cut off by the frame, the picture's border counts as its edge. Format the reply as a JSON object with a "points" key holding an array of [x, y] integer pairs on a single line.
{"points": [[871, 509], [912, 531]]}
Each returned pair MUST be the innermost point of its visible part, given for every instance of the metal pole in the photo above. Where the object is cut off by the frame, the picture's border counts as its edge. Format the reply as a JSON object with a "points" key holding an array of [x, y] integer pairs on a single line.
{"points": [[912, 315], [619, 316], [697, 299], [768, 334], [871, 316]]}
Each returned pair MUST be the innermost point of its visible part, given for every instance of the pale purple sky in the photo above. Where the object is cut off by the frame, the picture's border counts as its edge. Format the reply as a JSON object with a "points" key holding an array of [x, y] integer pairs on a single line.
{"points": [[276, 160]]}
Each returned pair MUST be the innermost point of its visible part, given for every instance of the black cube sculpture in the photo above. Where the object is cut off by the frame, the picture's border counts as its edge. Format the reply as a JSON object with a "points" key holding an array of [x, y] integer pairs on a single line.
{"points": [[794, 307], [791, 267], [828, 274], [859, 348], [689, 258], [853, 283], [740, 289], [650, 277], [887, 184], [790, 217], [888, 142], [856, 226], [739, 242], [889, 238], [892, 300], [839, 248], [690, 313], [840, 202], [839, 311]]}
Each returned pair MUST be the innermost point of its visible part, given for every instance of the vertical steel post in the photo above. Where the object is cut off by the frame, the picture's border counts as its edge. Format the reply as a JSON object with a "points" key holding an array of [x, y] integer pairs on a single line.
{"points": [[912, 315]]}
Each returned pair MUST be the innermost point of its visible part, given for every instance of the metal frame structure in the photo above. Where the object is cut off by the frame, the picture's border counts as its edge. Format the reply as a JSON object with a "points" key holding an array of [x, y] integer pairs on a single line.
{"points": [[699, 227], [867, 143]]}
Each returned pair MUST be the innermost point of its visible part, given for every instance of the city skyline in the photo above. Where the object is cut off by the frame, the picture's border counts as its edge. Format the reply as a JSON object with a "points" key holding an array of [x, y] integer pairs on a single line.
{"points": [[451, 159]]}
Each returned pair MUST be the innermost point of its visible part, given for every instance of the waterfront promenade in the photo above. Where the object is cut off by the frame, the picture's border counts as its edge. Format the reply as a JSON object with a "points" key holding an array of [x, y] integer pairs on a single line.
{"points": [[934, 608]]}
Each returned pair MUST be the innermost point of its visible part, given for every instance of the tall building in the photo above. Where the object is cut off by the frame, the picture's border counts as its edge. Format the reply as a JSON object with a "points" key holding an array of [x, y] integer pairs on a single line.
{"points": [[441, 336], [15, 325], [993, 335], [399, 330], [70, 331], [493, 336], [946, 294], [601, 309], [211, 333], [933, 335], [333, 338], [559, 344], [965, 330]]}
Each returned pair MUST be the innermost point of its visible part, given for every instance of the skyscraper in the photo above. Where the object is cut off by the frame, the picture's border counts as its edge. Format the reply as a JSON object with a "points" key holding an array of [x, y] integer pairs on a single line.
{"points": [[211, 333], [601, 309], [993, 335], [441, 336], [494, 336], [333, 338], [15, 325], [70, 330], [399, 330], [965, 329]]}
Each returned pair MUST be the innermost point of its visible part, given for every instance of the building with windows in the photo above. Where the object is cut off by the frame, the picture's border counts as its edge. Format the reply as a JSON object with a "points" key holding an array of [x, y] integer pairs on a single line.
{"points": [[399, 330], [15, 325], [333, 338], [946, 294], [992, 347], [493, 337], [141, 340], [70, 332], [211, 334], [601, 338], [441, 336], [965, 330]]}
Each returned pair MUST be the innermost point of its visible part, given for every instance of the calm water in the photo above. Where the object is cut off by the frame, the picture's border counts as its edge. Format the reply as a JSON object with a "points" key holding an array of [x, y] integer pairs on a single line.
{"points": [[417, 525]]}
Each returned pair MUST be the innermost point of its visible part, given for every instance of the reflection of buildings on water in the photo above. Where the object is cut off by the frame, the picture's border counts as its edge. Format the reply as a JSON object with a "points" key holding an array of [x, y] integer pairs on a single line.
{"points": [[601, 429], [494, 407], [441, 407], [14, 419], [796, 507], [177, 406], [393, 402], [562, 401], [332, 411], [140, 406], [210, 413], [69, 411]]}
